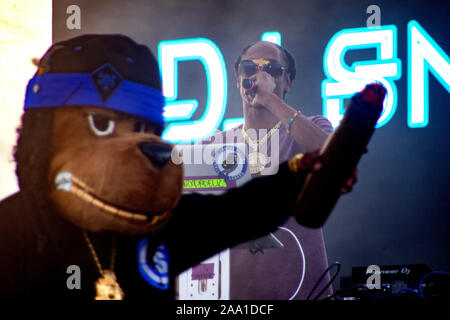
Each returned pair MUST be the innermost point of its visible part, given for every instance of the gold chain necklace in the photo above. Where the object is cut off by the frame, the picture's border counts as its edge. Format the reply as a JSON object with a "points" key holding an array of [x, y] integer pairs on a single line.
{"points": [[256, 159], [106, 287]]}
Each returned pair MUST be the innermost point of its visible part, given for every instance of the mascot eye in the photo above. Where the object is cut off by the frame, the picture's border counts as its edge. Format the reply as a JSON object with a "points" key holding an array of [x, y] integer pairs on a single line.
{"points": [[101, 126], [139, 127]]}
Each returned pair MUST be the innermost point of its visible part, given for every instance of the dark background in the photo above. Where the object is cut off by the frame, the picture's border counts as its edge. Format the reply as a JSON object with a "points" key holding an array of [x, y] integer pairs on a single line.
{"points": [[399, 210]]}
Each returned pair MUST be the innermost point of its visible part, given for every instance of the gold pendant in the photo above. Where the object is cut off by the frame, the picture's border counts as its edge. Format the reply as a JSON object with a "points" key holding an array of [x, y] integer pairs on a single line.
{"points": [[257, 161], [108, 288]]}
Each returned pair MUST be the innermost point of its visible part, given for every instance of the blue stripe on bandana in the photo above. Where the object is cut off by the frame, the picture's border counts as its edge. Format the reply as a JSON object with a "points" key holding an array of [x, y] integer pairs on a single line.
{"points": [[79, 89]]}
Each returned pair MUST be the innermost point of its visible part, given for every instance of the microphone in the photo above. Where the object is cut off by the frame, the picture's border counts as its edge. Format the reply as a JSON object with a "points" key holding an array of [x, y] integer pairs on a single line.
{"points": [[340, 155], [248, 84]]}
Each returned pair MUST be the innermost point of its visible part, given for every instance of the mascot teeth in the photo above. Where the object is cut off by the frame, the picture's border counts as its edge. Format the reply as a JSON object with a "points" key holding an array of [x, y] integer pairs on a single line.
{"points": [[68, 182], [63, 181]]}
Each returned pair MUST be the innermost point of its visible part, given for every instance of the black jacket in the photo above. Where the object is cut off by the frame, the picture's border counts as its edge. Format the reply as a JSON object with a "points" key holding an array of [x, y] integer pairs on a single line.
{"points": [[36, 248]]}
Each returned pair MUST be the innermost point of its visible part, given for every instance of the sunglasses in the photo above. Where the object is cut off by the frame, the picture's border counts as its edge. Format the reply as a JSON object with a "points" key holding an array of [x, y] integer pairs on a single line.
{"points": [[250, 67]]}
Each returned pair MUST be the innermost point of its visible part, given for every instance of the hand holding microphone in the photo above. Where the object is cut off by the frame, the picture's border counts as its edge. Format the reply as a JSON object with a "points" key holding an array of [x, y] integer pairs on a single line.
{"points": [[250, 88], [249, 84], [257, 88]]}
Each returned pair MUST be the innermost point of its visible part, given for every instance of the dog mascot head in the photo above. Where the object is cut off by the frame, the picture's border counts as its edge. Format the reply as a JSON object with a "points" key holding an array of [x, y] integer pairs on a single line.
{"points": [[89, 146]]}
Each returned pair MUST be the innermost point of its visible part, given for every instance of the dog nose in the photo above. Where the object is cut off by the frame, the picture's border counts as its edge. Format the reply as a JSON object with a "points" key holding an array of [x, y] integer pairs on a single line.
{"points": [[157, 153]]}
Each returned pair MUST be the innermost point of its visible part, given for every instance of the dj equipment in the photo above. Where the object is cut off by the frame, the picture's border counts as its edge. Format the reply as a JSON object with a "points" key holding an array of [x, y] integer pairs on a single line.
{"points": [[393, 278], [395, 282]]}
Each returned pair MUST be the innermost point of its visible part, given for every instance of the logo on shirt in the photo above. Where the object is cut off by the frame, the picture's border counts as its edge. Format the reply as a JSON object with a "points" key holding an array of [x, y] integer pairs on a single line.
{"points": [[230, 162]]}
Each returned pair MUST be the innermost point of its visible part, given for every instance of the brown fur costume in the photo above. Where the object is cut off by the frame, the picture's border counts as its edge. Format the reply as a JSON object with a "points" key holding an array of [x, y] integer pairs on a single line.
{"points": [[124, 190], [116, 172]]}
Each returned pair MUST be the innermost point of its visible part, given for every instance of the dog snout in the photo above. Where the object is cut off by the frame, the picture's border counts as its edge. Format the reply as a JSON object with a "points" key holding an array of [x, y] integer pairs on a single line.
{"points": [[157, 153]]}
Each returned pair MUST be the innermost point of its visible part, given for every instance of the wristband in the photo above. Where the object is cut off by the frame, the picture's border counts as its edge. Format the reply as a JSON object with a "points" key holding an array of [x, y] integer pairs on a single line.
{"points": [[291, 120]]}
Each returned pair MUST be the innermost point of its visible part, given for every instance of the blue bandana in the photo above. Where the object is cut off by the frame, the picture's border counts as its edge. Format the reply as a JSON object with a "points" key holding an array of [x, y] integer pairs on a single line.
{"points": [[104, 87]]}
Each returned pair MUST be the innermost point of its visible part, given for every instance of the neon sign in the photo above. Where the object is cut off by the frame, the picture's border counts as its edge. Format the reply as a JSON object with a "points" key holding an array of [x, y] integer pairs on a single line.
{"points": [[342, 80], [424, 56], [170, 53]]}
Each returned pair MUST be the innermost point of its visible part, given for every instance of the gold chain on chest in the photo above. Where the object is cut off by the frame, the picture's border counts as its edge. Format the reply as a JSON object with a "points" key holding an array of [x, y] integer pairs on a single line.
{"points": [[106, 287]]}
